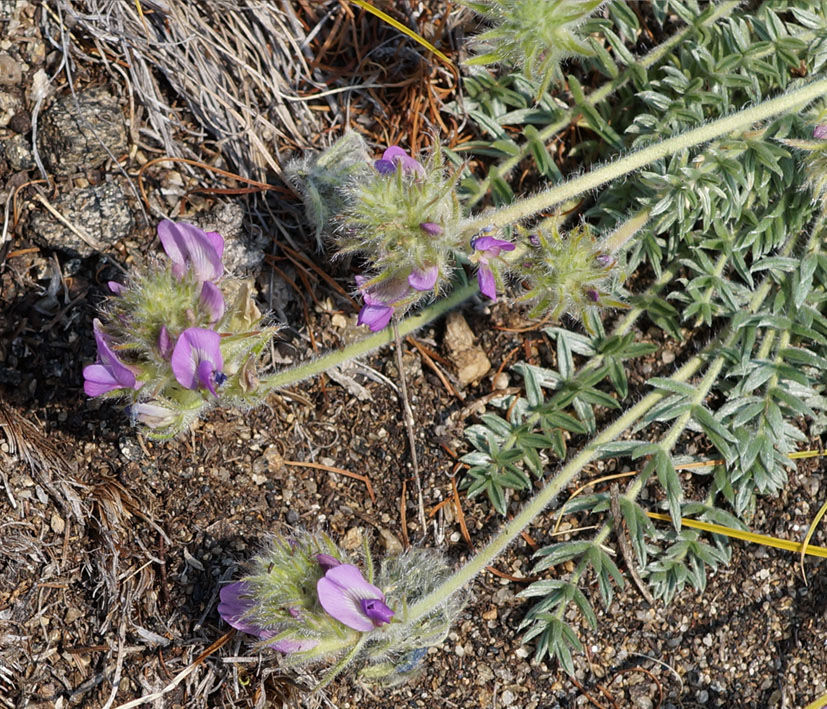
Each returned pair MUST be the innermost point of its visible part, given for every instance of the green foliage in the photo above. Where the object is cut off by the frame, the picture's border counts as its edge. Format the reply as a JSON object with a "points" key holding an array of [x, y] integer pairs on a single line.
{"points": [[737, 245]]}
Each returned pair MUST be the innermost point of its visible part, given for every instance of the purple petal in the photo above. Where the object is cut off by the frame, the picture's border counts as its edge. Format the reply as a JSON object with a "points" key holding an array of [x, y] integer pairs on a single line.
{"points": [[327, 561], [492, 245], [592, 295], [189, 247], [820, 132], [115, 287], [235, 603], [488, 284], [430, 228], [205, 375], [212, 300], [393, 152], [341, 591], [196, 347], [396, 156], [98, 380], [164, 342], [109, 373], [604, 260], [423, 279], [376, 317], [376, 610], [384, 167]]}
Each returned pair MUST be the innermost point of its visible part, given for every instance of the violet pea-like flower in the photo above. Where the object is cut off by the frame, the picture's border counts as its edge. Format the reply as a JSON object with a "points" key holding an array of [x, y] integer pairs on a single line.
{"points": [[346, 596], [380, 301], [488, 247], [820, 132], [236, 603], [109, 373], [196, 359], [423, 279], [192, 250], [393, 157]]}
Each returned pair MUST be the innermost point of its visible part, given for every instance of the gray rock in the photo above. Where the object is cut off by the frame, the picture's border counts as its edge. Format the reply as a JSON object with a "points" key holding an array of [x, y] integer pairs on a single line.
{"points": [[11, 70], [75, 135], [9, 106], [18, 153], [101, 212]]}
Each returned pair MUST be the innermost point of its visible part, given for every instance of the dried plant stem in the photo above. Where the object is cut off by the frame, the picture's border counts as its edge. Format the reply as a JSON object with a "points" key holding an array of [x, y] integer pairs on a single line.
{"points": [[407, 414]]}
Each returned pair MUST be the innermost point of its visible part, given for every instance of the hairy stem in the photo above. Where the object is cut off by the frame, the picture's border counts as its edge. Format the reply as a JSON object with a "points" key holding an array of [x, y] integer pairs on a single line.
{"points": [[653, 57], [739, 121]]}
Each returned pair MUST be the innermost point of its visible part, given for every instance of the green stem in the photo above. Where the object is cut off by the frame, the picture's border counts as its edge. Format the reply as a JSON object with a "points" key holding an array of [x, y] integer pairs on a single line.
{"points": [[369, 344], [612, 432], [653, 57], [542, 499], [337, 669], [743, 119]]}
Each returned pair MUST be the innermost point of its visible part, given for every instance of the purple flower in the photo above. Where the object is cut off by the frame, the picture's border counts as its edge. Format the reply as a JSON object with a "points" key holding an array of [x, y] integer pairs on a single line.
{"points": [[152, 415], [395, 156], [116, 288], [488, 247], [423, 279], [327, 561], [236, 603], [820, 132], [196, 360], [109, 373], [212, 300], [349, 598], [380, 300], [191, 248], [430, 228], [593, 295]]}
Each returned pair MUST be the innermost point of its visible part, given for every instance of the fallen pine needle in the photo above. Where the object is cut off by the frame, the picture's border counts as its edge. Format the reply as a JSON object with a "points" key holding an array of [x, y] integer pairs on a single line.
{"points": [[331, 469], [367, 7]]}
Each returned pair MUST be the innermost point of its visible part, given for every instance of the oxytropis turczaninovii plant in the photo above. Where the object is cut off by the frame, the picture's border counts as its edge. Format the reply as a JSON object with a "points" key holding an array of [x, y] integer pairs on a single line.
{"points": [[179, 337], [306, 598]]}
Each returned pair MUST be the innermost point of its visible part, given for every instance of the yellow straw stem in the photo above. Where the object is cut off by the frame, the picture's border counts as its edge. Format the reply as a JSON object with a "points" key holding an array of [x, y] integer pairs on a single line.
{"points": [[808, 536], [367, 7], [762, 539]]}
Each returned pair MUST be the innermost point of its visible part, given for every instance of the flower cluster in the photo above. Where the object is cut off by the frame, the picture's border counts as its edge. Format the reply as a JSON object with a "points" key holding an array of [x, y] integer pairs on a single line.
{"points": [[567, 273], [306, 599], [172, 346], [403, 216]]}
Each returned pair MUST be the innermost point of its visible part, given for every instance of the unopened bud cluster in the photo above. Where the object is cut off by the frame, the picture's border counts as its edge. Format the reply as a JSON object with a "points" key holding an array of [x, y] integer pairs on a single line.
{"points": [[566, 273], [532, 35], [306, 598], [180, 337]]}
